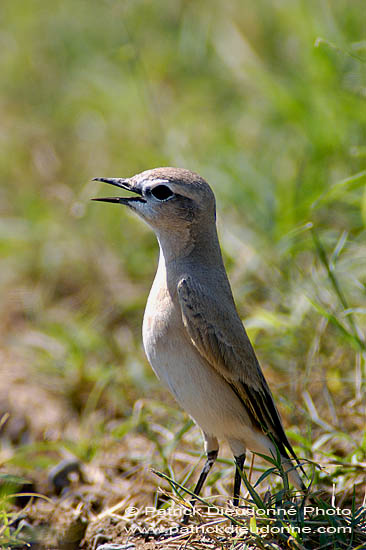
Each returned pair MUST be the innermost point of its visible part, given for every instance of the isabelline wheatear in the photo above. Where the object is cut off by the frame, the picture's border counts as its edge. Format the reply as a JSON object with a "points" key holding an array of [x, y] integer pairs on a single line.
{"points": [[192, 334]]}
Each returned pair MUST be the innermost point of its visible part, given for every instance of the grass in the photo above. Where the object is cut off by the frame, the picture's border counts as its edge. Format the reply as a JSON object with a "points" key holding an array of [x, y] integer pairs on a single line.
{"points": [[267, 102], [293, 520]]}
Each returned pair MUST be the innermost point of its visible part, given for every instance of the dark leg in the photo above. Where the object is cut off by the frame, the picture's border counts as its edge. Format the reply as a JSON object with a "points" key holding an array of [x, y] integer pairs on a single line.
{"points": [[239, 460], [211, 457]]}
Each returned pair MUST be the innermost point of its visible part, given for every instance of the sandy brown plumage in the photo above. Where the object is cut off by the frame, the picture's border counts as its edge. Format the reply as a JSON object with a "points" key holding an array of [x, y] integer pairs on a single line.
{"points": [[193, 336]]}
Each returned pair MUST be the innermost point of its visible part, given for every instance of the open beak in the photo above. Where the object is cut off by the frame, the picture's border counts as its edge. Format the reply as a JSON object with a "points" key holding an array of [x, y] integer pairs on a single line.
{"points": [[123, 184]]}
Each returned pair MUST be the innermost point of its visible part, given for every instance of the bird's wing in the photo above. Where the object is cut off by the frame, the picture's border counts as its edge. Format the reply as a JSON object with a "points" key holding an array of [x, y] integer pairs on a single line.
{"points": [[220, 337]]}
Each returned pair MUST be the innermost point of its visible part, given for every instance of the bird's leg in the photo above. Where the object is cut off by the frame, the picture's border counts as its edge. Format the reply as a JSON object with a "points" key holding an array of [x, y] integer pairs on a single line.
{"points": [[239, 462], [211, 458]]}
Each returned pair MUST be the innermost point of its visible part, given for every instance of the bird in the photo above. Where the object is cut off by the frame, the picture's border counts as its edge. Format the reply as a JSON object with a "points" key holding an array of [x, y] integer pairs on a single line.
{"points": [[192, 334]]}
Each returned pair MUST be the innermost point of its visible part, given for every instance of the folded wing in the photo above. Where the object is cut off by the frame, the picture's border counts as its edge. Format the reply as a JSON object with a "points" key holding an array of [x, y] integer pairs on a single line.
{"points": [[220, 338]]}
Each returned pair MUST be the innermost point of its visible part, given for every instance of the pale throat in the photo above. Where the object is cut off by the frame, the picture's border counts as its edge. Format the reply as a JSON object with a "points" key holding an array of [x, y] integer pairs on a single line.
{"points": [[174, 246], [182, 249]]}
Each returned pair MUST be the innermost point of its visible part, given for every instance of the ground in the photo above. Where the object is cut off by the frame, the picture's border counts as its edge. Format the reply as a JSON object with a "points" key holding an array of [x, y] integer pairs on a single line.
{"points": [[265, 100], [115, 495]]}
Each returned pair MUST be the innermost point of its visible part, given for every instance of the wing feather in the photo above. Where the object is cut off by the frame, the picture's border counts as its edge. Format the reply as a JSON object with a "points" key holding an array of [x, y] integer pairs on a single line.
{"points": [[220, 338]]}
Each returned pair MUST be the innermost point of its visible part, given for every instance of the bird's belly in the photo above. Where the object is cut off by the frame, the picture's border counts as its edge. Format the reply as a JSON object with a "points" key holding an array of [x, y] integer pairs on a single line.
{"points": [[197, 387]]}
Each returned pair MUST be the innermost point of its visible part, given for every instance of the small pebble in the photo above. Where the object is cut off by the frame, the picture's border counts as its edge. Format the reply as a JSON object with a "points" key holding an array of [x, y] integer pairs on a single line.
{"points": [[59, 474]]}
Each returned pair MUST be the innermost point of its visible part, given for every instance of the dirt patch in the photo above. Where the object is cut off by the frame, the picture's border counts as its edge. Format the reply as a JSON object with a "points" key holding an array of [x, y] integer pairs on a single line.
{"points": [[101, 499]]}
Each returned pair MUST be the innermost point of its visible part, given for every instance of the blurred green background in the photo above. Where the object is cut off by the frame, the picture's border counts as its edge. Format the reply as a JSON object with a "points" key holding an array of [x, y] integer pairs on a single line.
{"points": [[266, 100]]}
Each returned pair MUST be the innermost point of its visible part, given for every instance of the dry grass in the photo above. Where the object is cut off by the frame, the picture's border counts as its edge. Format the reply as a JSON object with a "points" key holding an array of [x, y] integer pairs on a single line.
{"points": [[265, 100], [118, 496]]}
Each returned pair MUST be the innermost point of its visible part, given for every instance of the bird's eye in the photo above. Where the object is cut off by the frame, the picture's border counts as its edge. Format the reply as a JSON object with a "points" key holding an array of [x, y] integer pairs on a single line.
{"points": [[162, 192]]}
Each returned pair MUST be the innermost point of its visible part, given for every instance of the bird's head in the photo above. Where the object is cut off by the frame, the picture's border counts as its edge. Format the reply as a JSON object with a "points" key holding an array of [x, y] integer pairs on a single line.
{"points": [[170, 200]]}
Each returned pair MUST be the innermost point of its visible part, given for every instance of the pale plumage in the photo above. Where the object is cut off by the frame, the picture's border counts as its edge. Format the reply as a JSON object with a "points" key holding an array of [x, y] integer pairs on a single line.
{"points": [[192, 333]]}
